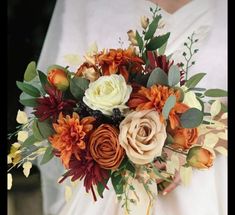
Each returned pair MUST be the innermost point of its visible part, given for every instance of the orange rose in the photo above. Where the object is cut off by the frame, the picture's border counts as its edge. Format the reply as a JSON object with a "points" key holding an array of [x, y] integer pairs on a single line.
{"points": [[200, 158], [183, 138], [88, 71], [105, 148], [58, 78]]}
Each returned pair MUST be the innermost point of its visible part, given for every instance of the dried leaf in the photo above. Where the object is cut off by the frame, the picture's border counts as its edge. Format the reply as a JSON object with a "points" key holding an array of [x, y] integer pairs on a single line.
{"points": [[9, 181], [21, 117], [27, 166], [73, 59], [186, 175], [16, 145], [215, 108], [211, 140], [222, 150], [22, 136], [224, 115], [68, 193], [9, 159], [222, 135]]}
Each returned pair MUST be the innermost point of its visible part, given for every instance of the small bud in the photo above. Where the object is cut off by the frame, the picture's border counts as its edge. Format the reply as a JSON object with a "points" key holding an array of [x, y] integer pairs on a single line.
{"points": [[132, 37], [58, 78], [144, 22], [184, 54]]}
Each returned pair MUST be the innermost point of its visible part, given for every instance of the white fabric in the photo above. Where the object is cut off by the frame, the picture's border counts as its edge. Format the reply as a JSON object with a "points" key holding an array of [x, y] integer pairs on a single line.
{"points": [[76, 24]]}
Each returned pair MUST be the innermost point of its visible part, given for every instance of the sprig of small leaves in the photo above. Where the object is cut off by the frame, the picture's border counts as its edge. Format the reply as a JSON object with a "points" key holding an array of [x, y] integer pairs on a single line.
{"points": [[188, 55]]}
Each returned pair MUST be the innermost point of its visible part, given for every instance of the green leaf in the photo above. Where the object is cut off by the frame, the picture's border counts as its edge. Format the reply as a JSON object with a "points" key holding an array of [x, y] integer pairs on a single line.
{"points": [[162, 49], [45, 128], [139, 41], [173, 75], [101, 187], [170, 103], [194, 80], [78, 86], [30, 72], [29, 89], [130, 167], [215, 93], [198, 89], [152, 28], [48, 155], [224, 108], [157, 76], [117, 183], [43, 79], [29, 141], [192, 118], [201, 103], [36, 132], [29, 102], [157, 42], [42, 130]]}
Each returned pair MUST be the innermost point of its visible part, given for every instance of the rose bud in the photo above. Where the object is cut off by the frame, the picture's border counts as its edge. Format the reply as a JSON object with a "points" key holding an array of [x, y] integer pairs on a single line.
{"points": [[88, 71], [132, 37], [144, 22], [58, 77], [183, 138], [200, 158]]}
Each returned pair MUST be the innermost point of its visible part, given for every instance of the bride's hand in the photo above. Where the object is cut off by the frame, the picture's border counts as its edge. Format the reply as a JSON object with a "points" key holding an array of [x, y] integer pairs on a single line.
{"points": [[168, 186]]}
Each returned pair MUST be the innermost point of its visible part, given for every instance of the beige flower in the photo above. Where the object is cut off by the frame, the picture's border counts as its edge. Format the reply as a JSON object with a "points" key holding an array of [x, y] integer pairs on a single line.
{"points": [[144, 22], [142, 135], [132, 37]]}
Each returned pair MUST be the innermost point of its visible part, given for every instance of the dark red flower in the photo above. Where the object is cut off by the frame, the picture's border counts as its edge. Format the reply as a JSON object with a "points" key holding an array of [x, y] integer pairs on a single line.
{"points": [[158, 61], [86, 169], [53, 104]]}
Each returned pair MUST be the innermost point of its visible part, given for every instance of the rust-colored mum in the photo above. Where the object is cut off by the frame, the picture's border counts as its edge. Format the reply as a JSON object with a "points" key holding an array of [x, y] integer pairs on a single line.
{"points": [[105, 148], [70, 136], [155, 97], [120, 61]]}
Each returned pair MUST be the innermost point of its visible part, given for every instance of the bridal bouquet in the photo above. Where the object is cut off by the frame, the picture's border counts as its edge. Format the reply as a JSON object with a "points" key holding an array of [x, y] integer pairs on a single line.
{"points": [[130, 116]]}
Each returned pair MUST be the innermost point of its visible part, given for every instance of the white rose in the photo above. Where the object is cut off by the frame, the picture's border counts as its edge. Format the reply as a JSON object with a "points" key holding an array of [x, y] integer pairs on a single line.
{"points": [[142, 135], [107, 93]]}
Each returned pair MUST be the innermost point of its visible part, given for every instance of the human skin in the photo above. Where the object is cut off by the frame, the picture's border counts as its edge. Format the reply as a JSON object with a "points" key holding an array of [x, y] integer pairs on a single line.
{"points": [[170, 6]]}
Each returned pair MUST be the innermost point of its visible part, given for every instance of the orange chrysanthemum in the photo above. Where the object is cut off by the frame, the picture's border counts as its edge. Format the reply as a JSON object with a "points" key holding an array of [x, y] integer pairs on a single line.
{"points": [[70, 136], [120, 61], [155, 97]]}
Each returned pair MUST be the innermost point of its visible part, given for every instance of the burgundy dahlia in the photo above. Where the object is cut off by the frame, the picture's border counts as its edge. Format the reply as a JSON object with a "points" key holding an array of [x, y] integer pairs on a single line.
{"points": [[158, 61], [86, 169], [53, 104]]}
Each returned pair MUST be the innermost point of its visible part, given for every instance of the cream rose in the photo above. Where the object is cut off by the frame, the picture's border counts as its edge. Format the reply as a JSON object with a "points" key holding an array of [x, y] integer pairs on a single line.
{"points": [[142, 135], [107, 93]]}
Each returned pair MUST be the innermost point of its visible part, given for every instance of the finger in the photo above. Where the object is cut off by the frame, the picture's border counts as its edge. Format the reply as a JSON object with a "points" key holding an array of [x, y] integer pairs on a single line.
{"points": [[172, 185]]}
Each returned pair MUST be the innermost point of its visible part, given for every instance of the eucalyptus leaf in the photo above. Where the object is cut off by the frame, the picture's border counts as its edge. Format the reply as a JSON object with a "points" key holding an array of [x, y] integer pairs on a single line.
{"points": [[173, 75], [215, 93], [43, 79], [139, 41], [48, 155], [162, 49], [78, 86], [192, 118], [36, 132], [157, 76], [157, 42], [152, 28], [30, 72], [170, 103], [45, 128], [194, 80], [29, 89], [29, 141], [29, 102]]}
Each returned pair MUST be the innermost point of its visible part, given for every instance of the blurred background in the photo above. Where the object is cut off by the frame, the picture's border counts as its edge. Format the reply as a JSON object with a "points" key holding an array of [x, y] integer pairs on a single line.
{"points": [[27, 27]]}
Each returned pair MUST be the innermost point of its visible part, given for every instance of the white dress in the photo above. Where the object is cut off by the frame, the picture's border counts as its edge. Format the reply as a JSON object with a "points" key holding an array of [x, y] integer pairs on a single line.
{"points": [[74, 26]]}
